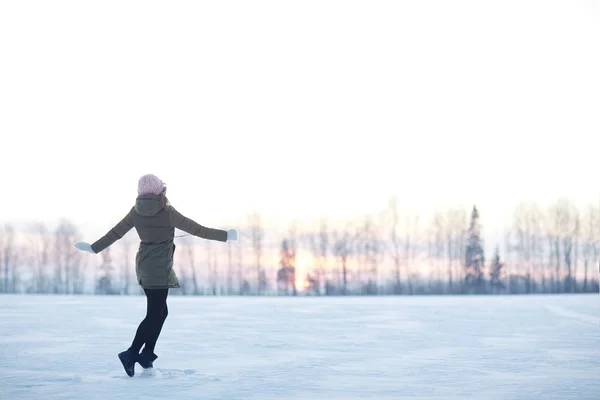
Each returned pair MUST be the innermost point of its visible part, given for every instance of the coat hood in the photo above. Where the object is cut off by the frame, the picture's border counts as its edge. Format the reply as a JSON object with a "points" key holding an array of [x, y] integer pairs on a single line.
{"points": [[148, 205]]}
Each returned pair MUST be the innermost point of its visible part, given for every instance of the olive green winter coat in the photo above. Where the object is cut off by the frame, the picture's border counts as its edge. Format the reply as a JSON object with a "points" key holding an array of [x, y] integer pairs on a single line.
{"points": [[155, 225]]}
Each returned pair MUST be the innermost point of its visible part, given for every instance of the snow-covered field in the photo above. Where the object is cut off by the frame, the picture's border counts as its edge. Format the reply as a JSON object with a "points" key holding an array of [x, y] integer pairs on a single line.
{"points": [[505, 348]]}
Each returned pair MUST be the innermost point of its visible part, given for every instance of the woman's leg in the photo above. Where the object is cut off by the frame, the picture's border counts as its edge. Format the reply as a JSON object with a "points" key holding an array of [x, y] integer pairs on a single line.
{"points": [[154, 332], [156, 302], [130, 356], [140, 334]]}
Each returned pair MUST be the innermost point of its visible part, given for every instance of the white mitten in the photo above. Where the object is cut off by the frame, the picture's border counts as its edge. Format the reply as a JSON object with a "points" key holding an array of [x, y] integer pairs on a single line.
{"points": [[232, 235], [83, 246]]}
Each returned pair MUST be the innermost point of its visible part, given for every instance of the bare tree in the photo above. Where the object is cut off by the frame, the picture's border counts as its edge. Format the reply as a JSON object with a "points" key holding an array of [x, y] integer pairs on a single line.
{"points": [[211, 272], [39, 247], [412, 242], [591, 236], [189, 253], [524, 227], [438, 245], [360, 249], [318, 243], [229, 269], [535, 228], [555, 219], [324, 251], [215, 276], [564, 218], [394, 247], [241, 281], [126, 265], [342, 248], [575, 242], [10, 258], [183, 273], [450, 228], [370, 249], [288, 265], [257, 236], [69, 277]]}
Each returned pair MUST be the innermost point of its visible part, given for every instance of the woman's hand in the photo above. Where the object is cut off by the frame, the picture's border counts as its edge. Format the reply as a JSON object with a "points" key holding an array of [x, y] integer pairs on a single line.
{"points": [[83, 246], [232, 235]]}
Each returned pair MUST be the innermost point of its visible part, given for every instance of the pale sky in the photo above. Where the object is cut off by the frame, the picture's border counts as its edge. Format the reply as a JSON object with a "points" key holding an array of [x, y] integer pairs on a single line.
{"points": [[296, 109]]}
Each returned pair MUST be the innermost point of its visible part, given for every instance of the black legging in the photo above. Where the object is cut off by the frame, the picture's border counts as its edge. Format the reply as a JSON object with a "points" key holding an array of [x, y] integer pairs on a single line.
{"points": [[149, 329]]}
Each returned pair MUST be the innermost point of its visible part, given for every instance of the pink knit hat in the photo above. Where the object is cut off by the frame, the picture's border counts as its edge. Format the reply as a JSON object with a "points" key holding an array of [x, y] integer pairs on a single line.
{"points": [[150, 184]]}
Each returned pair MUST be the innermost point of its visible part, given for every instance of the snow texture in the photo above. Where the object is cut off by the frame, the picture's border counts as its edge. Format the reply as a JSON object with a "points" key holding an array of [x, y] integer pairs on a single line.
{"points": [[511, 347]]}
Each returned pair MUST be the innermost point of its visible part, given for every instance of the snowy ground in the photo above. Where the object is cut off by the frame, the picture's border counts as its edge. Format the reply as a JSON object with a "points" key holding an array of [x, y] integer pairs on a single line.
{"points": [[538, 347]]}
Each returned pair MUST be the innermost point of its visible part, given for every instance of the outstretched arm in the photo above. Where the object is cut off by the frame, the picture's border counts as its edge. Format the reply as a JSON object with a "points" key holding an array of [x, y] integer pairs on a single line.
{"points": [[114, 234], [179, 221]]}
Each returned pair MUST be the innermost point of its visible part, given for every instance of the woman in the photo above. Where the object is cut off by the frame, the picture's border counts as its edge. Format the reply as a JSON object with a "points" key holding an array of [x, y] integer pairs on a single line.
{"points": [[155, 221]]}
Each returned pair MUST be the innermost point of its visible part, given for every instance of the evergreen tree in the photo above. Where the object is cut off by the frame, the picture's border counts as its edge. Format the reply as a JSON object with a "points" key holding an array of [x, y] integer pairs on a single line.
{"points": [[311, 284], [474, 259], [104, 285], [496, 272], [286, 275]]}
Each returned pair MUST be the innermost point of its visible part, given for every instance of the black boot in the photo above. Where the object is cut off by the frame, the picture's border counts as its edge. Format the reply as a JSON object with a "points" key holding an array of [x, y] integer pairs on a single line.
{"points": [[128, 358], [145, 359]]}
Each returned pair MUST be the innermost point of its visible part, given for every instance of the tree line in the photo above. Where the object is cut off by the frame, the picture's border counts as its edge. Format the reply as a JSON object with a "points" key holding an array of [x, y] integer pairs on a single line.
{"points": [[553, 249]]}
